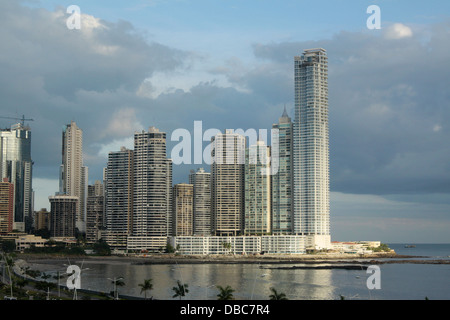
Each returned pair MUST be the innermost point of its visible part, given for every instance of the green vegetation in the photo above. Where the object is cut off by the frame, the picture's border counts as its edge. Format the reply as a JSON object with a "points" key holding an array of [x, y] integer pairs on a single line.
{"points": [[225, 293], [277, 296], [7, 246], [382, 248], [146, 286], [180, 290]]}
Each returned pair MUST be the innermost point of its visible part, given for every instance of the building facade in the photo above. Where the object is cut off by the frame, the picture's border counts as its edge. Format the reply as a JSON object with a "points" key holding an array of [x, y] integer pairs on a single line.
{"points": [[311, 214], [42, 219], [152, 185], [257, 190], [16, 165], [95, 212], [6, 206], [73, 175], [282, 187], [119, 197], [183, 209], [201, 182], [63, 210], [227, 183]]}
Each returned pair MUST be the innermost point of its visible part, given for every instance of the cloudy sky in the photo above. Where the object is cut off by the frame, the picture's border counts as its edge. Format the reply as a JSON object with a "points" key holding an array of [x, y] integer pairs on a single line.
{"points": [[168, 63]]}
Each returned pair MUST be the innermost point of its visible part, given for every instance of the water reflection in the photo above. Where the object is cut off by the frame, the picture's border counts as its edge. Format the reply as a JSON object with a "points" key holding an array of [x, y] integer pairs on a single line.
{"points": [[248, 281]]}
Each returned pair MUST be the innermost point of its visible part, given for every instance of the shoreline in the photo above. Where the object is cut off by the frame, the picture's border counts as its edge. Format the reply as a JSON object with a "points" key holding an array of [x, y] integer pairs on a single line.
{"points": [[235, 259]]}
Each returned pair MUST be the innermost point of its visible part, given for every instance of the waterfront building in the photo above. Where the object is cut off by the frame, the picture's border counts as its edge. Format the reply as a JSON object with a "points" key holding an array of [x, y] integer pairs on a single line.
{"points": [[6, 206], [227, 183], [242, 245], [119, 197], [201, 182], [16, 165], [95, 212], [282, 188], [152, 185], [257, 190], [311, 211], [73, 175], [183, 209], [63, 215]]}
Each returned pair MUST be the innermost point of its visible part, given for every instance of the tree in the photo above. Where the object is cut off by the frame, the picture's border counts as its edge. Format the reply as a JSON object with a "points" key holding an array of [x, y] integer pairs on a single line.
{"points": [[8, 246], [146, 286], [181, 290], [225, 293], [117, 282], [277, 296], [227, 246], [102, 248]]}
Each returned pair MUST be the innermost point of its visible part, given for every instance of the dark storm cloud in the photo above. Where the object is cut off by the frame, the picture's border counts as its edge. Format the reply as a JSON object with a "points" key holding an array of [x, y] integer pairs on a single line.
{"points": [[389, 109], [388, 95], [55, 75]]}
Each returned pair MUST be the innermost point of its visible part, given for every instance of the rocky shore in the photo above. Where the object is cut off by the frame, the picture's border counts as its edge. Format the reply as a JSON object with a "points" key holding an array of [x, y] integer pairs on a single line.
{"points": [[310, 259]]}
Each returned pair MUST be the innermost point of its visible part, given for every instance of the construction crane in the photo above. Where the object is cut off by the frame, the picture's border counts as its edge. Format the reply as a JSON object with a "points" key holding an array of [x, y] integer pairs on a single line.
{"points": [[21, 119]]}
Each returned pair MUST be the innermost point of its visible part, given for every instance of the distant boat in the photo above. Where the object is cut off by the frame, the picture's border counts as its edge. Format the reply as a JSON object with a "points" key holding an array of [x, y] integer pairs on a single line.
{"points": [[410, 246]]}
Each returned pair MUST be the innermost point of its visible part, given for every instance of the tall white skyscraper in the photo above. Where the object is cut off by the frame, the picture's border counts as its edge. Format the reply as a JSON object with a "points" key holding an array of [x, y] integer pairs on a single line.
{"points": [[16, 165], [201, 181], [227, 183], [73, 175], [282, 202], [152, 194], [311, 212], [257, 190]]}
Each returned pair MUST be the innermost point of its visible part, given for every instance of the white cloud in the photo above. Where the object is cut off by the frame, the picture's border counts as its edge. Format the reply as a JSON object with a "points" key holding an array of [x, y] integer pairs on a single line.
{"points": [[122, 123], [398, 31]]}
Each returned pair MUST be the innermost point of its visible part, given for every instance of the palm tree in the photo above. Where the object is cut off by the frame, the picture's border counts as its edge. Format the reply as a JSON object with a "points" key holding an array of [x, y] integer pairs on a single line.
{"points": [[277, 296], [225, 293], [146, 286], [117, 282], [181, 290]]}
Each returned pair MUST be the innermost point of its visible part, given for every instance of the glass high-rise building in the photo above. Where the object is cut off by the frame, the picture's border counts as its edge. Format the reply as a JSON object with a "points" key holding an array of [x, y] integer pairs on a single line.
{"points": [[16, 165], [227, 183], [73, 175], [311, 215], [201, 181], [282, 188], [119, 196], [152, 214], [257, 190]]}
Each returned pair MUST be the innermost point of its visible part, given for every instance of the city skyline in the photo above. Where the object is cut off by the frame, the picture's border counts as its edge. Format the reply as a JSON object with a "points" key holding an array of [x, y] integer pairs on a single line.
{"points": [[388, 133]]}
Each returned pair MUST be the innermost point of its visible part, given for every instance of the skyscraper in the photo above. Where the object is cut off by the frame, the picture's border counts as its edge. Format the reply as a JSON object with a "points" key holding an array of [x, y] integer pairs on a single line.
{"points": [[119, 196], [73, 175], [227, 183], [95, 212], [16, 165], [311, 215], [152, 185], [201, 181], [282, 197], [6, 206], [63, 210], [257, 190], [183, 209]]}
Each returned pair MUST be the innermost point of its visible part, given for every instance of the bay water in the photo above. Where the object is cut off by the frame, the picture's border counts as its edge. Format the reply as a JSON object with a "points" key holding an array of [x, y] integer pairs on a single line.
{"points": [[399, 281]]}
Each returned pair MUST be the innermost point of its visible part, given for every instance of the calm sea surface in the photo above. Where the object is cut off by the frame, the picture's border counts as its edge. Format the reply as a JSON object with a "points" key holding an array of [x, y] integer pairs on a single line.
{"points": [[252, 281]]}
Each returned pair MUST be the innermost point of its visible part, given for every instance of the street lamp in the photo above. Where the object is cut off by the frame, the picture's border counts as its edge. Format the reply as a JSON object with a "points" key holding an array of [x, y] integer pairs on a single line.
{"points": [[115, 286]]}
